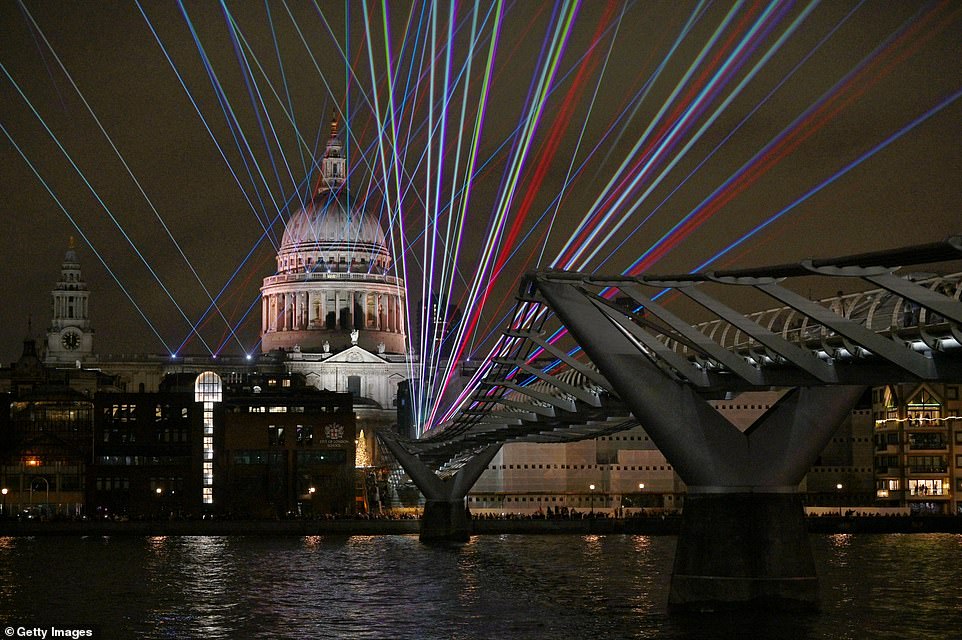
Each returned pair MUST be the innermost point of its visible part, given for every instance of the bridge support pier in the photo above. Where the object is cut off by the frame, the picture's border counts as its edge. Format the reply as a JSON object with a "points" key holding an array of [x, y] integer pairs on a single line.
{"points": [[743, 539], [446, 517], [743, 550], [445, 520]]}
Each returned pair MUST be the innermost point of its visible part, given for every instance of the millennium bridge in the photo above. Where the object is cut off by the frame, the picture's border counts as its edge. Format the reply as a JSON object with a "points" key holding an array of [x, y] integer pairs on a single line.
{"points": [[654, 350]]}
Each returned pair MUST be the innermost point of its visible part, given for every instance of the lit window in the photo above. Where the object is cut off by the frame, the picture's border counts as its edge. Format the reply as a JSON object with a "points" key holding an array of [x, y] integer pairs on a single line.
{"points": [[208, 388]]}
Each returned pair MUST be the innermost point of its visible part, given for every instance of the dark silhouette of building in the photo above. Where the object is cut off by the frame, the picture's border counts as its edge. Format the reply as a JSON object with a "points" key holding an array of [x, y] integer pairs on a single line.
{"points": [[146, 461], [287, 451], [47, 435], [275, 448]]}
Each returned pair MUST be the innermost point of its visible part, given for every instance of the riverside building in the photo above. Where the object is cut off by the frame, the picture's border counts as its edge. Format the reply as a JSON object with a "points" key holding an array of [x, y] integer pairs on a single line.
{"points": [[918, 447]]}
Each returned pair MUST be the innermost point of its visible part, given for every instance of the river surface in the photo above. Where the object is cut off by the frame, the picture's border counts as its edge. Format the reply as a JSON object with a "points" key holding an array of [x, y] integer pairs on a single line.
{"points": [[505, 587]]}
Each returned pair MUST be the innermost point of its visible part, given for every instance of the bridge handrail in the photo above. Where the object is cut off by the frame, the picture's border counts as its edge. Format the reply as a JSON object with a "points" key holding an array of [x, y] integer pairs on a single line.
{"points": [[899, 316]]}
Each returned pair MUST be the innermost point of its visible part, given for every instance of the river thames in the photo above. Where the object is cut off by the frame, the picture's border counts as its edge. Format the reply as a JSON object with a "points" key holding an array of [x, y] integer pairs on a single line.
{"points": [[906, 586]]}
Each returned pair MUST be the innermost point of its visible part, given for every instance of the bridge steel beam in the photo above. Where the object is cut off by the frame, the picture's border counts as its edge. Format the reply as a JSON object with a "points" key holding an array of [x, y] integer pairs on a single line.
{"points": [[446, 516], [743, 540]]}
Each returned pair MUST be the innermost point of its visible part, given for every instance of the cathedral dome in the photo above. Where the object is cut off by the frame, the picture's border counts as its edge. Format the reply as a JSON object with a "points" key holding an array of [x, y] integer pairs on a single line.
{"points": [[333, 288], [332, 233]]}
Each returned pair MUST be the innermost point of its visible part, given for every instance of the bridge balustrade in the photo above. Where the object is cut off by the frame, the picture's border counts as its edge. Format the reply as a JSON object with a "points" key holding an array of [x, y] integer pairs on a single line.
{"points": [[877, 309]]}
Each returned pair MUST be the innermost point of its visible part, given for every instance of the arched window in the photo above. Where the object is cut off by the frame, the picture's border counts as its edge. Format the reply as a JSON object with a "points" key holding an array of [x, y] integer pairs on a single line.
{"points": [[208, 387]]}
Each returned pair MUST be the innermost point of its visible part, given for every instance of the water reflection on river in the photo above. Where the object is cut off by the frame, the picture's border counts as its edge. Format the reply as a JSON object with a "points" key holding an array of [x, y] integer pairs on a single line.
{"points": [[873, 586]]}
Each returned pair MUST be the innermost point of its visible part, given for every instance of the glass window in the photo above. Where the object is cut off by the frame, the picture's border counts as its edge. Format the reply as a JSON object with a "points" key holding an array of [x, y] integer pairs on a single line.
{"points": [[927, 487], [250, 457], [927, 464], [926, 440], [305, 434], [275, 435], [208, 387]]}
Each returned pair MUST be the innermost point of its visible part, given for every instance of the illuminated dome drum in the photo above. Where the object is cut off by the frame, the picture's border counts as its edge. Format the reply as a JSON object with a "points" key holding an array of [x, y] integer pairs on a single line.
{"points": [[332, 284]]}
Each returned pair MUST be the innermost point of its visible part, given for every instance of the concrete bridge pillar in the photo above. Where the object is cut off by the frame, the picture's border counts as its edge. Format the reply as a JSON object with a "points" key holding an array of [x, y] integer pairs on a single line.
{"points": [[743, 540], [743, 549], [445, 520], [446, 516]]}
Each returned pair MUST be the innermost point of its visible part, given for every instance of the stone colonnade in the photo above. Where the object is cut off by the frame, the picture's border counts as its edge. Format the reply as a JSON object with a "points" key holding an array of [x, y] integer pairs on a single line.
{"points": [[300, 310], [71, 306]]}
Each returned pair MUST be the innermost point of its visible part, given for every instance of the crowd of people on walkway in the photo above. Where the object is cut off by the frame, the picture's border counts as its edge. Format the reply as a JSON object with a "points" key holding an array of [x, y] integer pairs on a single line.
{"points": [[566, 513]]}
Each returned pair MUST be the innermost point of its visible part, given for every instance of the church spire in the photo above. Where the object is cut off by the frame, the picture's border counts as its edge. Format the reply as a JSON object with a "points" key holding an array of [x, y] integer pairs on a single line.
{"points": [[333, 164]]}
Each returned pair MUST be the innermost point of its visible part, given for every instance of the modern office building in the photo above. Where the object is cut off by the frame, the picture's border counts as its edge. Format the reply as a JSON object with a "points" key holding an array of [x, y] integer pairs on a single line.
{"points": [[261, 446], [147, 456], [287, 451]]}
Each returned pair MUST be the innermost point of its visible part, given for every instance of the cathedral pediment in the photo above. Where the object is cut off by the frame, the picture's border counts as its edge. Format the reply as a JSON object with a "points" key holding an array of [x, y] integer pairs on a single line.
{"points": [[355, 355]]}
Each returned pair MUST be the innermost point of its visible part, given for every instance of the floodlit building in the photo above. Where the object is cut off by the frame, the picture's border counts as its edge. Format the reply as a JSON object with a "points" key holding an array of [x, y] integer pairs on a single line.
{"points": [[332, 312], [333, 287], [70, 338]]}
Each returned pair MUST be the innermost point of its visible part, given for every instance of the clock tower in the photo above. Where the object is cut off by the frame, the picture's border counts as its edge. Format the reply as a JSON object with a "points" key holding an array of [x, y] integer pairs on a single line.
{"points": [[69, 337]]}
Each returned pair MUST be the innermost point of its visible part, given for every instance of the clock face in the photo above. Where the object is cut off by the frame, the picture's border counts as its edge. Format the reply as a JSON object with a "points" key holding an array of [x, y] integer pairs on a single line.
{"points": [[70, 341]]}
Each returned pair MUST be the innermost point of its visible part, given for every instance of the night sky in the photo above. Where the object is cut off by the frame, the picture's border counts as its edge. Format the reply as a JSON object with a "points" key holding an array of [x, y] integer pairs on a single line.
{"points": [[867, 93]]}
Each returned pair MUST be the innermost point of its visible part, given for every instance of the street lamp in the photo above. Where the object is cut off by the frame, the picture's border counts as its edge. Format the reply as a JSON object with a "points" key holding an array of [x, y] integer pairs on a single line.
{"points": [[839, 487], [592, 488], [4, 491]]}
